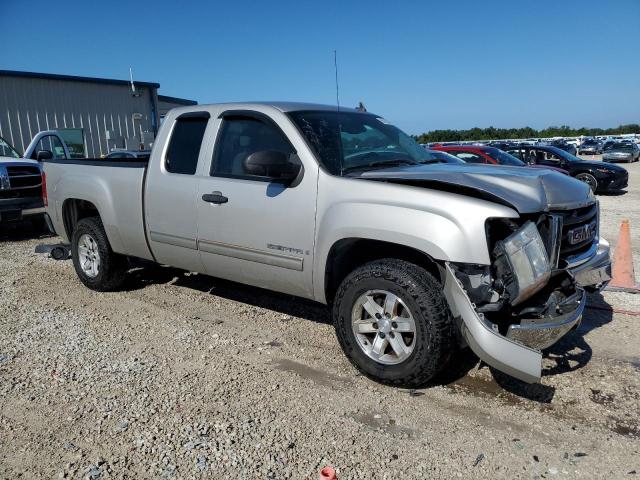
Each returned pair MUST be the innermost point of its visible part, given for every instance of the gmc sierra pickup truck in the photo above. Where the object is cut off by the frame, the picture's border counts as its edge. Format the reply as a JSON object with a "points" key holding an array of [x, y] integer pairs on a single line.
{"points": [[415, 257]]}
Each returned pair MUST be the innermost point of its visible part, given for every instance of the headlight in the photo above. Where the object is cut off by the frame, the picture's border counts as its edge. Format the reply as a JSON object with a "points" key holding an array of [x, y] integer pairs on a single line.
{"points": [[523, 263]]}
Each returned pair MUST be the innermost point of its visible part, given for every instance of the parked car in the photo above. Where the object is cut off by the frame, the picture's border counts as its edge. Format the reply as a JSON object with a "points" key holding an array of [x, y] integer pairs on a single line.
{"points": [[345, 209], [600, 176], [132, 154], [490, 156], [567, 147], [21, 195], [590, 147], [621, 152]]}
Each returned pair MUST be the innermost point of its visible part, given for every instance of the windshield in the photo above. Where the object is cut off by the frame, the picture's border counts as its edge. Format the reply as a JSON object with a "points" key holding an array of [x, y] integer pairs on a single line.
{"points": [[625, 147], [445, 157], [7, 150], [503, 158], [563, 154], [347, 141]]}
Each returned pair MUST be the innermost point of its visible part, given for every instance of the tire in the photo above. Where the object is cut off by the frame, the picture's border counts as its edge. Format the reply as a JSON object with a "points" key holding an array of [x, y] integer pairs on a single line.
{"points": [[111, 268], [589, 180], [421, 294]]}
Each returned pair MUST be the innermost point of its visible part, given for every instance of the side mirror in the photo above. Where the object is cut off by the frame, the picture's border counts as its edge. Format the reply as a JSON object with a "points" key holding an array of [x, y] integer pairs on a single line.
{"points": [[274, 164], [44, 155]]}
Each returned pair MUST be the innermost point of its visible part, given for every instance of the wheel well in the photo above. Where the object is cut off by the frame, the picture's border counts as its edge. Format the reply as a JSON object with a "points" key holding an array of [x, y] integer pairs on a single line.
{"points": [[348, 254], [74, 210]]}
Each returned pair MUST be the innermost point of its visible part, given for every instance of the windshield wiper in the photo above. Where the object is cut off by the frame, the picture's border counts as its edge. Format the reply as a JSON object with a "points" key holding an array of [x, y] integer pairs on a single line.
{"points": [[380, 164]]}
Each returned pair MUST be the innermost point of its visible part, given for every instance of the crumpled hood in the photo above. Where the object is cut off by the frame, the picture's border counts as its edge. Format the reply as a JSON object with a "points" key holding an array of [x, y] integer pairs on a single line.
{"points": [[528, 190]]}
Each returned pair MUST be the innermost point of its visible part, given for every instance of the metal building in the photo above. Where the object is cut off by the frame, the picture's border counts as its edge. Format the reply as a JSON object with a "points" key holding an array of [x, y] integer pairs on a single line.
{"points": [[95, 115]]}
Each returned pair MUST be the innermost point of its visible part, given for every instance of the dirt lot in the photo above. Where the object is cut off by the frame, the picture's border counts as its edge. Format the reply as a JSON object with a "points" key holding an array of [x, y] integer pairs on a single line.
{"points": [[186, 376]]}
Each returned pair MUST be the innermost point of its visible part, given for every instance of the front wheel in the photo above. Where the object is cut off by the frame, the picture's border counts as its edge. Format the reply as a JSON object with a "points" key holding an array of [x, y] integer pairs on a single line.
{"points": [[96, 264], [393, 323], [589, 180]]}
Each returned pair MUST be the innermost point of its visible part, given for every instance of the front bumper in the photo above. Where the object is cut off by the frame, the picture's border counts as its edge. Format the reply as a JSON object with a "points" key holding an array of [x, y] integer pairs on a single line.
{"points": [[14, 209], [617, 158], [518, 353], [617, 181], [595, 273]]}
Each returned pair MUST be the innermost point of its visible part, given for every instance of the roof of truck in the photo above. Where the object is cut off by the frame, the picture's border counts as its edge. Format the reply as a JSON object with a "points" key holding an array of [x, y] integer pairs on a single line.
{"points": [[284, 106]]}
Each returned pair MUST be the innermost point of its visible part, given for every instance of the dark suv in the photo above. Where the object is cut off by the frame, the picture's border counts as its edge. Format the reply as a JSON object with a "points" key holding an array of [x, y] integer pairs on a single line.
{"points": [[600, 176]]}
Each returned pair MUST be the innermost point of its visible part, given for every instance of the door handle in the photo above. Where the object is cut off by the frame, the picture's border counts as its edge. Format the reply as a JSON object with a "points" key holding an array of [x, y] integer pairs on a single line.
{"points": [[215, 197]]}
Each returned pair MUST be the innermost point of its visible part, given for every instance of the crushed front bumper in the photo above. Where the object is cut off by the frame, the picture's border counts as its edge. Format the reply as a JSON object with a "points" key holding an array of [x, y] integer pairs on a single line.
{"points": [[518, 353], [595, 273]]}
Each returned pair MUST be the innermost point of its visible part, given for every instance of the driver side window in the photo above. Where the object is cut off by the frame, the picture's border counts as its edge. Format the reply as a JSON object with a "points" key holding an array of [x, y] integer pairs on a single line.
{"points": [[52, 144], [238, 138]]}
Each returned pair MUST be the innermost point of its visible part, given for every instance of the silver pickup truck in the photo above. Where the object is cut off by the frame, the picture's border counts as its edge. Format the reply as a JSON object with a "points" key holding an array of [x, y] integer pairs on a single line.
{"points": [[416, 258]]}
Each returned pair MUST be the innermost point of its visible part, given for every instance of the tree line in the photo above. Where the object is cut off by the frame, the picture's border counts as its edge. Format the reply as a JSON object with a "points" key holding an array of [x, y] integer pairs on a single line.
{"points": [[492, 133]]}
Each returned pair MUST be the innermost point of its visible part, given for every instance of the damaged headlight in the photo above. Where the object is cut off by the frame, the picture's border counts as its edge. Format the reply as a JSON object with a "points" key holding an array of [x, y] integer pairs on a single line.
{"points": [[522, 263]]}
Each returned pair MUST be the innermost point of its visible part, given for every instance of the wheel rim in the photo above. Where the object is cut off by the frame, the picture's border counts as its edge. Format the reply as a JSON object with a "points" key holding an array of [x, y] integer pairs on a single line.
{"points": [[384, 327], [589, 180], [88, 255]]}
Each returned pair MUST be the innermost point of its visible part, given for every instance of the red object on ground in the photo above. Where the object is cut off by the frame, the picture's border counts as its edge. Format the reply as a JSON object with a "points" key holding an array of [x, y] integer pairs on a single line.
{"points": [[328, 473], [624, 278]]}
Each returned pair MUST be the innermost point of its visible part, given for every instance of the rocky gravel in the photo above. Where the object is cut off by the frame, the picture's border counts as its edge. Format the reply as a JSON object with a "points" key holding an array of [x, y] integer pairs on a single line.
{"points": [[186, 376]]}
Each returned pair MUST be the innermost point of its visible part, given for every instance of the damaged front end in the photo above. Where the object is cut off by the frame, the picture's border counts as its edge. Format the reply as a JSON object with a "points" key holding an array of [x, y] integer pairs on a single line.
{"points": [[531, 295]]}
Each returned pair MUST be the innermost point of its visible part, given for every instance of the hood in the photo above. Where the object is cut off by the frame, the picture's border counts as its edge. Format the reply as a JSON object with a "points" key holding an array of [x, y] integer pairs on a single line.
{"points": [[528, 190], [10, 161]]}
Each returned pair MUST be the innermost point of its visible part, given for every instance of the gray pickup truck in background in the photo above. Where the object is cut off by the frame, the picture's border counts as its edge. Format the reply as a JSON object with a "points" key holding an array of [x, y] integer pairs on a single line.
{"points": [[21, 194], [416, 258]]}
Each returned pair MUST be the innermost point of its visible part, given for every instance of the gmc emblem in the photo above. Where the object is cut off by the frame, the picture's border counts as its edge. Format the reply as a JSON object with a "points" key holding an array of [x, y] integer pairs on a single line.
{"points": [[582, 233]]}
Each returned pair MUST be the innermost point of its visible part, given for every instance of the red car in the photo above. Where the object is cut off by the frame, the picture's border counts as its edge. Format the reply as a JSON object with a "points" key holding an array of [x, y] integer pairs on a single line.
{"points": [[488, 155]]}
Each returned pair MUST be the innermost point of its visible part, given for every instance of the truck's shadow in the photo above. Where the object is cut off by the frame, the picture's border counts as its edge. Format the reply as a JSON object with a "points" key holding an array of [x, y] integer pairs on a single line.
{"points": [[21, 231], [257, 297], [571, 353]]}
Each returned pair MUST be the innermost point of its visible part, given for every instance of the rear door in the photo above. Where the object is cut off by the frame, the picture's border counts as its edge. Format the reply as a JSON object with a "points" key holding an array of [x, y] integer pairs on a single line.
{"points": [[171, 192], [263, 233]]}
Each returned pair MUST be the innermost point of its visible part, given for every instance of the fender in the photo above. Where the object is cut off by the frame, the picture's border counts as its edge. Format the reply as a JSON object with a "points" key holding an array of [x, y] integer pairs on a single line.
{"points": [[445, 226]]}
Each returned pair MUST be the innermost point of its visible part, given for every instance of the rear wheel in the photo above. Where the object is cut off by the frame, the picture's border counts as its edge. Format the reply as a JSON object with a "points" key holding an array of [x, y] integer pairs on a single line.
{"points": [[589, 180], [393, 322], [96, 264]]}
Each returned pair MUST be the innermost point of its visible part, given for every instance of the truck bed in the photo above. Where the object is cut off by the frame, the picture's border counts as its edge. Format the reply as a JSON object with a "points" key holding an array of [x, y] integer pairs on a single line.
{"points": [[118, 197]]}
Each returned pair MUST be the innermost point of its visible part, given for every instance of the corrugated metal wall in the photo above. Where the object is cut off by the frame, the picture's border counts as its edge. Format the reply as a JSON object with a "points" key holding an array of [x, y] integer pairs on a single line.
{"points": [[30, 105]]}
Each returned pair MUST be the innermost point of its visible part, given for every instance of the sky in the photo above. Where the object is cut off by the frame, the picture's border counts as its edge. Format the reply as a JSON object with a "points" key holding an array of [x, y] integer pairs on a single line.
{"points": [[423, 65]]}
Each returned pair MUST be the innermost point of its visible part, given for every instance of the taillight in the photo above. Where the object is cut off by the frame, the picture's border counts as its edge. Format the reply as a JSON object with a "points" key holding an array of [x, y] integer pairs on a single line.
{"points": [[45, 199]]}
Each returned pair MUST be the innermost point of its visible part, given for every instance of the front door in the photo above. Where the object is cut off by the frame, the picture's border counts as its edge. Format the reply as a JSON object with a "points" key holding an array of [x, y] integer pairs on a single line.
{"points": [[252, 229]]}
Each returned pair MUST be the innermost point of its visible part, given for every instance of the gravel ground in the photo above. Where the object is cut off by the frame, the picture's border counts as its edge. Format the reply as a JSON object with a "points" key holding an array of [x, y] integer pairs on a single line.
{"points": [[186, 376]]}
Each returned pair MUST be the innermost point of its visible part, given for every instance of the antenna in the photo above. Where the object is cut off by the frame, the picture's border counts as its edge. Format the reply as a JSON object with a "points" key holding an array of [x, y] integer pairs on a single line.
{"points": [[133, 86], [335, 64]]}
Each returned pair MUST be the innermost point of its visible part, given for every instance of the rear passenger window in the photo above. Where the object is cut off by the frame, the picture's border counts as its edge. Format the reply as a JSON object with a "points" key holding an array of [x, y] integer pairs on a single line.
{"points": [[184, 144], [241, 136]]}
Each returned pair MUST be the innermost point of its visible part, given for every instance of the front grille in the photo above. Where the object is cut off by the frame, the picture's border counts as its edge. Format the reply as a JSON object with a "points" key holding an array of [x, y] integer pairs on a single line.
{"points": [[24, 182], [572, 221]]}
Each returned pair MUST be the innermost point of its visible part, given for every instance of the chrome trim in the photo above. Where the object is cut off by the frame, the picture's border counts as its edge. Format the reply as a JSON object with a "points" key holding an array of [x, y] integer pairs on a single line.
{"points": [[496, 350], [544, 332], [576, 260], [556, 240], [597, 270], [33, 211], [175, 240], [251, 254]]}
